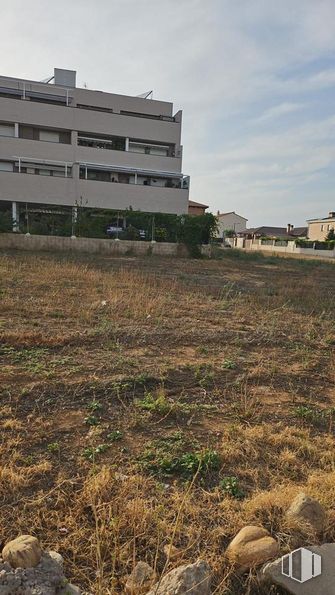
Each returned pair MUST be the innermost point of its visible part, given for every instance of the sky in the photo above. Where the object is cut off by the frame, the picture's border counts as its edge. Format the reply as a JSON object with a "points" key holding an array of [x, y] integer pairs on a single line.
{"points": [[255, 80]]}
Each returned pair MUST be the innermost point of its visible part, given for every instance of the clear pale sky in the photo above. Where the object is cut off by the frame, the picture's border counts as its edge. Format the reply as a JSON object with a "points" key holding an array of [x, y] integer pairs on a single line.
{"points": [[255, 79]]}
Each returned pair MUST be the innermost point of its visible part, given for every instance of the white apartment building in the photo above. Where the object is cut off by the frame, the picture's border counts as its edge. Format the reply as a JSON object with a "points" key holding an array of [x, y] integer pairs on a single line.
{"points": [[67, 146]]}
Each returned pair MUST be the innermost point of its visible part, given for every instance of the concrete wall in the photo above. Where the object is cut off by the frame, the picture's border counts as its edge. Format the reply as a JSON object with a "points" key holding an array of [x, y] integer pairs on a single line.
{"points": [[291, 248], [12, 241]]}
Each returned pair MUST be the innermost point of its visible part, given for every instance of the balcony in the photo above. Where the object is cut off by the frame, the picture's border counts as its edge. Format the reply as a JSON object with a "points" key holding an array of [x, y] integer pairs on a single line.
{"points": [[52, 184], [138, 177]]}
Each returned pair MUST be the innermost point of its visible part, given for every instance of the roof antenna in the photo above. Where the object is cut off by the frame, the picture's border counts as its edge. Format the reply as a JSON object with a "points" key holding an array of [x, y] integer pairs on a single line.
{"points": [[48, 79], [147, 95]]}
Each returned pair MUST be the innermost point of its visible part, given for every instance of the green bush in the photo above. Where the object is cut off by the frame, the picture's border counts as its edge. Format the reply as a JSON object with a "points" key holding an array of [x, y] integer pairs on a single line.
{"points": [[6, 221], [326, 245], [230, 486]]}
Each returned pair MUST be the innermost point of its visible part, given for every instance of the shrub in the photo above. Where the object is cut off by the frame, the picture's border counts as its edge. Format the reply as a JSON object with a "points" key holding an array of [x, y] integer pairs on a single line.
{"points": [[230, 486], [6, 221]]}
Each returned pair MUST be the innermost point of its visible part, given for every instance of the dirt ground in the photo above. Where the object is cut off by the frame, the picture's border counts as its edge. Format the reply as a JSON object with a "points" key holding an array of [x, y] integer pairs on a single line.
{"points": [[152, 401]]}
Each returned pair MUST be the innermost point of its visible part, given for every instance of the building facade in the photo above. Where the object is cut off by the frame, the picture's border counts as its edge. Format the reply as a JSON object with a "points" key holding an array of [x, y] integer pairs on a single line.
{"points": [[318, 229], [196, 208], [230, 221], [67, 146]]}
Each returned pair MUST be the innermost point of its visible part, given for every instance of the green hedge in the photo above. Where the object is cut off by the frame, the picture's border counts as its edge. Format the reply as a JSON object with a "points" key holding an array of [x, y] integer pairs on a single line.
{"points": [[92, 223], [326, 245]]}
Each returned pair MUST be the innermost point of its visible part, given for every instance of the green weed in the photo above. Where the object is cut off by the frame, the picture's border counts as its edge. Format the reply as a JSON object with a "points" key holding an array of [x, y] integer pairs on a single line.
{"points": [[230, 486]]}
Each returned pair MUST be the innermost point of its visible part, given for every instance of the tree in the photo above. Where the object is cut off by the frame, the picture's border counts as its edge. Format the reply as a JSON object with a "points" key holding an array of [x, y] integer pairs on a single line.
{"points": [[229, 233], [330, 235], [6, 221]]}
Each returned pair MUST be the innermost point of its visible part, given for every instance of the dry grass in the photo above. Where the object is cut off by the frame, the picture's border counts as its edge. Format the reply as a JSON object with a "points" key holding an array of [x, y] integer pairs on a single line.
{"points": [[130, 389]]}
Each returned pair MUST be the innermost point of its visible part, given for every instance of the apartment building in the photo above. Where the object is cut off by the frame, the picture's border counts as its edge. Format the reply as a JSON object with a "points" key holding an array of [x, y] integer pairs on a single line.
{"points": [[66, 146], [318, 229]]}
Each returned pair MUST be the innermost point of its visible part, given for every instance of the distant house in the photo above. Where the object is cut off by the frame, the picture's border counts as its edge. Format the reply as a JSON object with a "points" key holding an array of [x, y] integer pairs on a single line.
{"points": [[196, 208], [288, 232], [318, 229], [230, 221]]}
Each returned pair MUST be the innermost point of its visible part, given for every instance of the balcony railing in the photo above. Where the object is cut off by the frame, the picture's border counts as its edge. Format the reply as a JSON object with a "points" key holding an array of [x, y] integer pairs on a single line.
{"points": [[96, 172], [119, 175]]}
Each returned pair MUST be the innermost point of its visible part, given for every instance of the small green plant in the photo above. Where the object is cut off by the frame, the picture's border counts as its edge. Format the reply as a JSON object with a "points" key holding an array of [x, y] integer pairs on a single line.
{"points": [[315, 416], [114, 436], [155, 404], [31, 359], [91, 452], [228, 364], [204, 375], [202, 350], [176, 455], [308, 413], [94, 406], [91, 420], [230, 486], [53, 447]]}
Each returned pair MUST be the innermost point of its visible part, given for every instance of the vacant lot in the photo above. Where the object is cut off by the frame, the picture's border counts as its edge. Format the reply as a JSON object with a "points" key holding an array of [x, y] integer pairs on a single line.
{"points": [[145, 402]]}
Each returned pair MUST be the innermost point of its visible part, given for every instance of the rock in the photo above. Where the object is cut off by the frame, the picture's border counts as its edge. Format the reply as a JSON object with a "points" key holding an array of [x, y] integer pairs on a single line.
{"points": [[171, 552], [57, 558], [252, 546], [140, 579], [324, 584], [120, 476], [306, 509], [23, 552], [69, 590], [46, 578], [193, 579]]}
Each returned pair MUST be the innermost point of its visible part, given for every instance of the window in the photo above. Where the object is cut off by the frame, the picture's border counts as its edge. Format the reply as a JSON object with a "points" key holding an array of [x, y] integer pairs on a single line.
{"points": [[95, 174], [7, 129], [65, 137], [150, 116], [137, 146], [95, 108], [321, 228], [28, 132], [102, 142], [6, 166], [48, 169], [49, 135], [162, 151]]}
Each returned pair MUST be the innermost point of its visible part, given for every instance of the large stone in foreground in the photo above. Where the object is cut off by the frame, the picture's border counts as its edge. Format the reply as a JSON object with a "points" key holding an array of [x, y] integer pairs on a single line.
{"points": [[324, 584], [306, 509], [252, 546], [22, 552], [68, 590], [140, 579], [47, 578], [193, 579]]}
